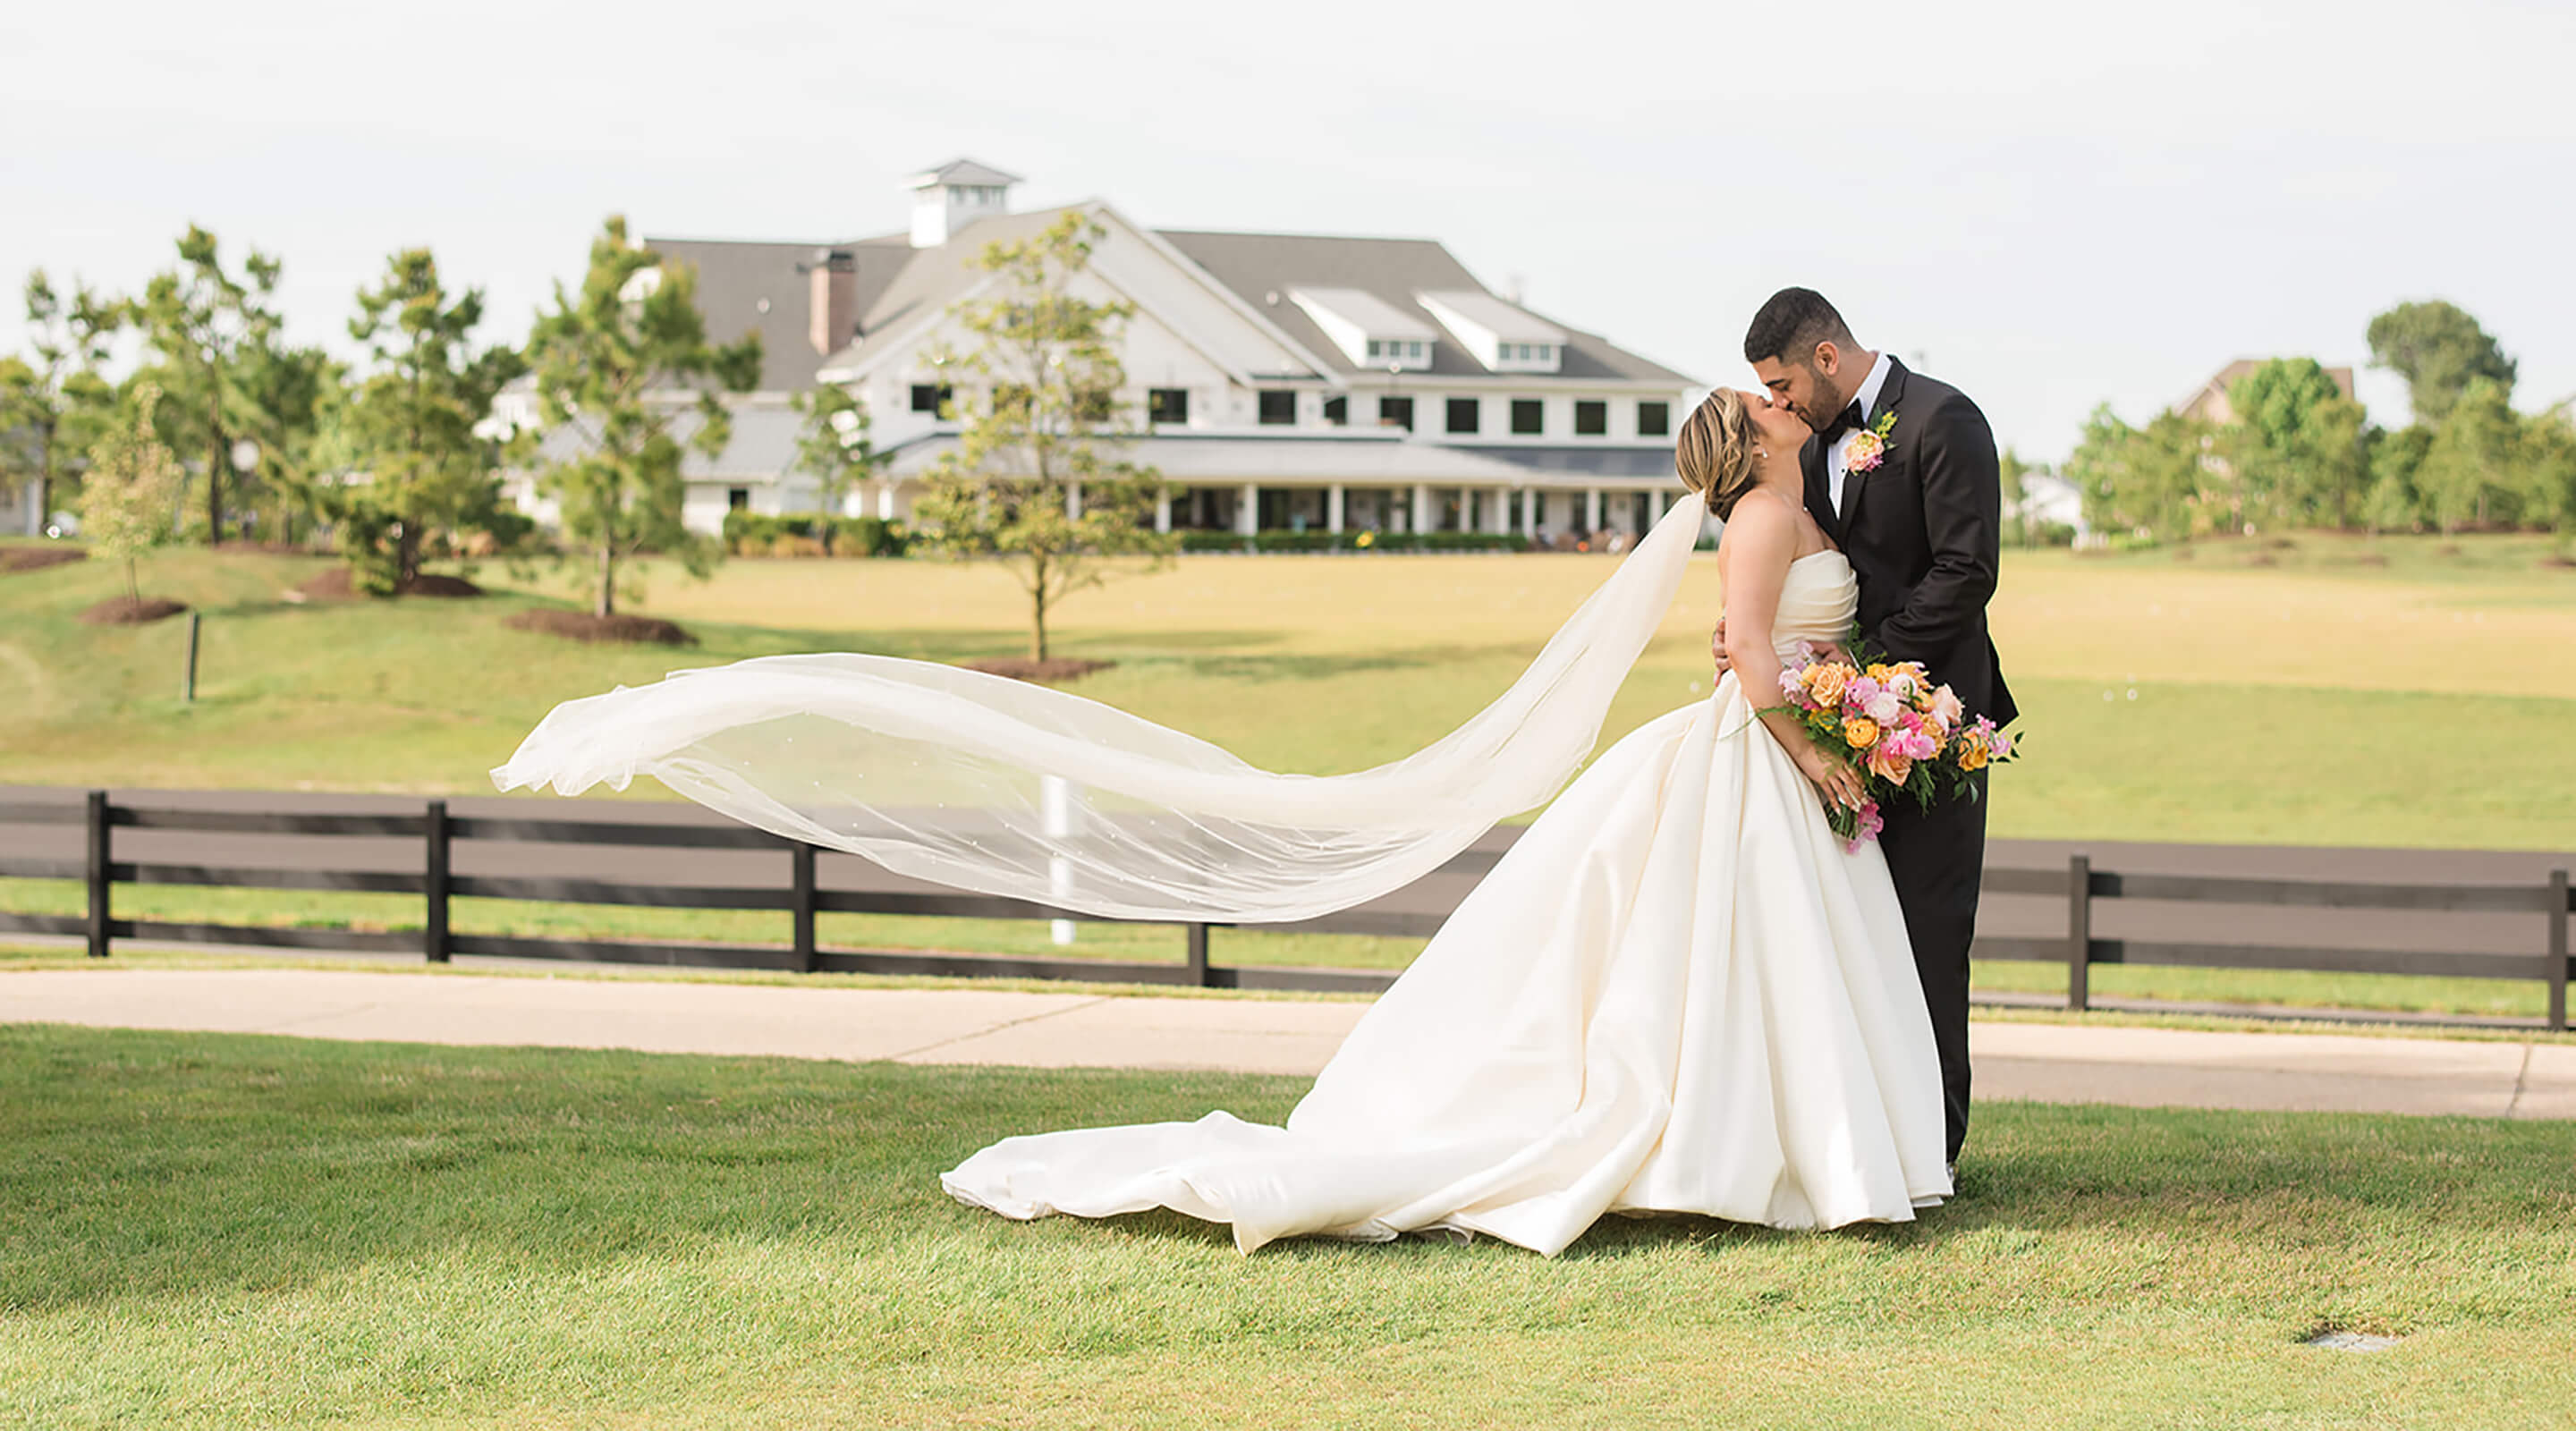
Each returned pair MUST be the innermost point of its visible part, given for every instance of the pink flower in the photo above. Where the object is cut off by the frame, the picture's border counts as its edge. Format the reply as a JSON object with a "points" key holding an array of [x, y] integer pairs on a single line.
{"points": [[1946, 706], [1858, 692], [2001, 744], [1883, 707], [1868, 826]]}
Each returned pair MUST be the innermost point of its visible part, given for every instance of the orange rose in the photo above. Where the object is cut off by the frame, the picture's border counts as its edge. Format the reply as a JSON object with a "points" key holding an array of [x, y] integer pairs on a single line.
{"points": [[1892, 768], [1860, 732], [1972, 753], [1825, 681]]}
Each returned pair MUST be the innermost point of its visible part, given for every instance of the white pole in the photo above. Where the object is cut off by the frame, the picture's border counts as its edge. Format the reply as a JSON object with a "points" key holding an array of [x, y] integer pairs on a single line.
{"points": [[1333, 509], [1055, 816], [1421, 508], [1592, 510], [1073, 501], [1163, 511], [1247, 510]]}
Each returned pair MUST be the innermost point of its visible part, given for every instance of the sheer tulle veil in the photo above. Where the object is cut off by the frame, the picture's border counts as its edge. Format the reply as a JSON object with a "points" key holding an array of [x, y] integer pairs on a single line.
{"points": [[995, 785]]}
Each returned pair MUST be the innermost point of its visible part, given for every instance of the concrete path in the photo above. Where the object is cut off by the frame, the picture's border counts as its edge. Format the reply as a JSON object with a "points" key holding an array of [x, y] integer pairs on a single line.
{"points": [[2047, 1062]]}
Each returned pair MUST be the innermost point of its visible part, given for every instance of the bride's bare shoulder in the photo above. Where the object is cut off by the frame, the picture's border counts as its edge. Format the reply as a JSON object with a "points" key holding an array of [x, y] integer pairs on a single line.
{"points": [[1762, 524]]}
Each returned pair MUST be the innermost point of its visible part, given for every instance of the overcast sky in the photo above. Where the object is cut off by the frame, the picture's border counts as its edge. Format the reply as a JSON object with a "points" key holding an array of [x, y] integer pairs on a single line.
{"points": [[2056, 203]]}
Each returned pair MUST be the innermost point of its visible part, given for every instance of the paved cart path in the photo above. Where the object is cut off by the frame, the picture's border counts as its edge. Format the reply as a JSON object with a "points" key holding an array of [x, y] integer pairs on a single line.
{"points": [[2062, 1063]]}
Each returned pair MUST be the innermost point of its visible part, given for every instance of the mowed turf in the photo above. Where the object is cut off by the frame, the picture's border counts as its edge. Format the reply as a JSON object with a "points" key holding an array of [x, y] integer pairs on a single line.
{"points": [[232, 1231], [2250, 693]]}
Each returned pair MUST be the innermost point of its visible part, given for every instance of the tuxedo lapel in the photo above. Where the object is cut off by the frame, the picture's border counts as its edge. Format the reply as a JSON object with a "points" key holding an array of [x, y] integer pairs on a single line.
{"points": [[1811, 463], [1854, 483]]}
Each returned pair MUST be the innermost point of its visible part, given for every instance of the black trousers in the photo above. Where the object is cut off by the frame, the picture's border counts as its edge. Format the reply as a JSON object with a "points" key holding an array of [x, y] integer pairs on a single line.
{"points": [[1937, 858]]}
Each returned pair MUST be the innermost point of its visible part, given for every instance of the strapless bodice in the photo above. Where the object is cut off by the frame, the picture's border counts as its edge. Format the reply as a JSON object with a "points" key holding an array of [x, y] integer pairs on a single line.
{"points": [[1817, 602]]}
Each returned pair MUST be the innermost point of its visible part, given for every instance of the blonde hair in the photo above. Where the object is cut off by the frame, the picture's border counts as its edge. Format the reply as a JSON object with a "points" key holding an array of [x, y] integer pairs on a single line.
{"points": [[1714, 454]]}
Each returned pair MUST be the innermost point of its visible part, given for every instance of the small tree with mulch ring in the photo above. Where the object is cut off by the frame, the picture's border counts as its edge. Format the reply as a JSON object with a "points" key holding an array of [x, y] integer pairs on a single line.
{"points": [[126, 505]]}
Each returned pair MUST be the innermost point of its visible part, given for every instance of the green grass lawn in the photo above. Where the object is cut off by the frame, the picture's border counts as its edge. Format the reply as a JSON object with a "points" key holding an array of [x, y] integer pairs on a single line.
{"points": [[233, 1231]]}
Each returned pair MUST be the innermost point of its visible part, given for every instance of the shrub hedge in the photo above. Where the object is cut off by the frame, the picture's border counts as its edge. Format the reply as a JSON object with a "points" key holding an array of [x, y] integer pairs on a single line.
{"points": [[753, 534], [1350, 542]]}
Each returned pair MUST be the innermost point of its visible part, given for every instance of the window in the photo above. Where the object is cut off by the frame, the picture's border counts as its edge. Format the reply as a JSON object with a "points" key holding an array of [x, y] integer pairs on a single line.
{"points": [[1377, 349], [1167, 405], [1654, 419], [1464, 414], [1591, 419], [931, 397], [1529, 417], [1337, 411], [737, 499], [1278, 407], [1413, 350], [1395, 412]]}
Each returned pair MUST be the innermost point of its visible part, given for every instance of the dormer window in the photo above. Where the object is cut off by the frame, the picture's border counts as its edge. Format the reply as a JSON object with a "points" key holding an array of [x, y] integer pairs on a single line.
{"points": [[1505, 337], [1369, 330]]}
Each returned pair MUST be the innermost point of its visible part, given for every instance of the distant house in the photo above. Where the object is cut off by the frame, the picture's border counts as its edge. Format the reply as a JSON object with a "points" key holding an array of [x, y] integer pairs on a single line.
{"points": [[1285, 381], [18, 514], [2209, 402]]}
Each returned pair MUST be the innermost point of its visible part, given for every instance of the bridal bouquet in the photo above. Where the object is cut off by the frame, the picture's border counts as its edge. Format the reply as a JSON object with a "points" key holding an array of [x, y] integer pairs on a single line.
{"points": [[1904, 734]]}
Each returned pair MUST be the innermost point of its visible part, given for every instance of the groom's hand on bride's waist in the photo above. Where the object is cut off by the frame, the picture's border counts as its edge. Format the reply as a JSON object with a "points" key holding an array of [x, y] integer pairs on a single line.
{"points": [[1717, 649]]}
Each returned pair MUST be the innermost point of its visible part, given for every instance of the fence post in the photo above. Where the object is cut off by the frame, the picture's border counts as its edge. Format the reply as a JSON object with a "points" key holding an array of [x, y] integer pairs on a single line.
{"points": [[433, 938], [2079, 931], [1197, 935], [99, 871], [800, 858], [2558, 949]]}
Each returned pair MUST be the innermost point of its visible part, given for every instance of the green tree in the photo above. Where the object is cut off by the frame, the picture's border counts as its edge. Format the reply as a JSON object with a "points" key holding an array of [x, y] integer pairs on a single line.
{"points": [[2396, 461], [2468, 473], [2547, 462], [128, 494], [56, 405], [2296, 446], [420, 474], [2439, 349], [614, 364], [212, 331], [834, 450], [1035, 483], [2151, 480]]}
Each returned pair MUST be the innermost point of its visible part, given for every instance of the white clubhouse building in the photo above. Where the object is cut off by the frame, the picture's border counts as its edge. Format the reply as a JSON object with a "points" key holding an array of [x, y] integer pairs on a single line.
{"points": [[1289, 382]]}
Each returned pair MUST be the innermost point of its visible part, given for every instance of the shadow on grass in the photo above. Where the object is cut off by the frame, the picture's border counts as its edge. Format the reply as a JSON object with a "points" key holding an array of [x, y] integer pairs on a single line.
{"points": [[148, 1165]]}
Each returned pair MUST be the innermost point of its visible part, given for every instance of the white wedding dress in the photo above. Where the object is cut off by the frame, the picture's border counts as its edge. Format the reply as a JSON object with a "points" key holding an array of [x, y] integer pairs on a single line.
{"points": [[1676, 993]]}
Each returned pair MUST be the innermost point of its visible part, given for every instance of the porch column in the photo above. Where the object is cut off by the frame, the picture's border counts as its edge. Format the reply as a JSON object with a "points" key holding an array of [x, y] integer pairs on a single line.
{"points": [[1421, 508], [1500, 523], [1163, 511], [1073, 500], [885, 501], [1592, 509], [1247, 509], [1333, 509], [1529, 507]]}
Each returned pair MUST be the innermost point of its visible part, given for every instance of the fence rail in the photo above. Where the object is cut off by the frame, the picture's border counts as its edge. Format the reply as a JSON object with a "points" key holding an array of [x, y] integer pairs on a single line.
{"points": [[2079, 884]]}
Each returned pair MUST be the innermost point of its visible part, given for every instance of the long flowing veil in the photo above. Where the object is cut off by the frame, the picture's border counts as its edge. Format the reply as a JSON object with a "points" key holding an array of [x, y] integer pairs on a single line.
{"points": [[991, 784]]}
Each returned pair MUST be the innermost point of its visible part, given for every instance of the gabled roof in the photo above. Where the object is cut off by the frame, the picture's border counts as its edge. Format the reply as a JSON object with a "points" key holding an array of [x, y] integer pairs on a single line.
{"points": [[2214, 391], [735, 278], [1391, 271], [932, 280], [960, 171]]}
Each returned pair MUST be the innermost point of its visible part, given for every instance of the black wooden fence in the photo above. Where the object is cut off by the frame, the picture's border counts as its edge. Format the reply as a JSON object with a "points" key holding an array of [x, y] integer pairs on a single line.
{"points": [[2079, 884]]}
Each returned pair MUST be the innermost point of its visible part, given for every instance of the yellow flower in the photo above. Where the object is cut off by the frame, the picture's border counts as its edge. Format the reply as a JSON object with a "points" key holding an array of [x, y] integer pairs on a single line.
{"points": [[1825, 681], [1972, 753], [1860, 732], [1879, 671]]}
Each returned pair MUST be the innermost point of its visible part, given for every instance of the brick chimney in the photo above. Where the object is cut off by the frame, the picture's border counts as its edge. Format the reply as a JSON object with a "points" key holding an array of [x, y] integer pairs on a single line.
{"points": [[833, 300]]}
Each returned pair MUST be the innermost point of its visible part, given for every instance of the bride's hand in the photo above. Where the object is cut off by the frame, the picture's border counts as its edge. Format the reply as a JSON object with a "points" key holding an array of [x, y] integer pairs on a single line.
{"points": [[1717, 649], [1835, 780]]}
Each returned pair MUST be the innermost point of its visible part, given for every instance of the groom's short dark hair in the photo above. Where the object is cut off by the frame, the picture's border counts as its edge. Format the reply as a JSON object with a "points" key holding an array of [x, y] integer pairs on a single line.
{"points": [[1791, 323]]}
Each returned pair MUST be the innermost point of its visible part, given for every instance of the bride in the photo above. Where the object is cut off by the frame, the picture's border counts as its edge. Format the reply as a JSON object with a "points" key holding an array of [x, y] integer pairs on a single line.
{"points": [[1677, 992]]}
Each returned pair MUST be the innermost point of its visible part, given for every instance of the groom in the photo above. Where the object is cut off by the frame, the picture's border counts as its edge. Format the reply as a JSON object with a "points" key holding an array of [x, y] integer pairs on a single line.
{"points": [[1920, 526]]}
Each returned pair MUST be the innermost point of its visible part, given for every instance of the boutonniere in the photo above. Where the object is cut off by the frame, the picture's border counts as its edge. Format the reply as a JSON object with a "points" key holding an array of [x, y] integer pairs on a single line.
{"points": [[1865, 449]]}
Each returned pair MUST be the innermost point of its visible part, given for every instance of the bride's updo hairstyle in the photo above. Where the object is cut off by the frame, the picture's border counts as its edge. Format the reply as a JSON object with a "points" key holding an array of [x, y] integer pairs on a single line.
{"points": [[1714, 454]]}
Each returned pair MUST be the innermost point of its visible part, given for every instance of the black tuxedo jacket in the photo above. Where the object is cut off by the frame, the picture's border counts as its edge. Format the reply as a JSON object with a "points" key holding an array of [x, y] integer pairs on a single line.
{"points": [[1922, 530]]}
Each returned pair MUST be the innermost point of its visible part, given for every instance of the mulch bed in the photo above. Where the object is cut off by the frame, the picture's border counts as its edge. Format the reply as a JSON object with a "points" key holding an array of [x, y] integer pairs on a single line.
{"points": [[337, 585], [126, 611], [1048, 671], [38, 558], [590, 626]]}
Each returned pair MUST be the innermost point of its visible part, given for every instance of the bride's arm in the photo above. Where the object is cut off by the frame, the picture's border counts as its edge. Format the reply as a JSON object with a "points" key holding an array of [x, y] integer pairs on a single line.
{"points": [[1755, 556]]}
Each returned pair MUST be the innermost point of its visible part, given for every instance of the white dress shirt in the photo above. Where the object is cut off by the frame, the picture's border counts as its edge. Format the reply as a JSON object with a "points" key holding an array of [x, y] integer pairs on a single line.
{"points": [[1837, 458]]}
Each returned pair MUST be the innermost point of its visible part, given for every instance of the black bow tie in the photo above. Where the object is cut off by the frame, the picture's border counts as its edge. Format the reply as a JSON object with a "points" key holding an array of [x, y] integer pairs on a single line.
{"points": [[1849, 420]]}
